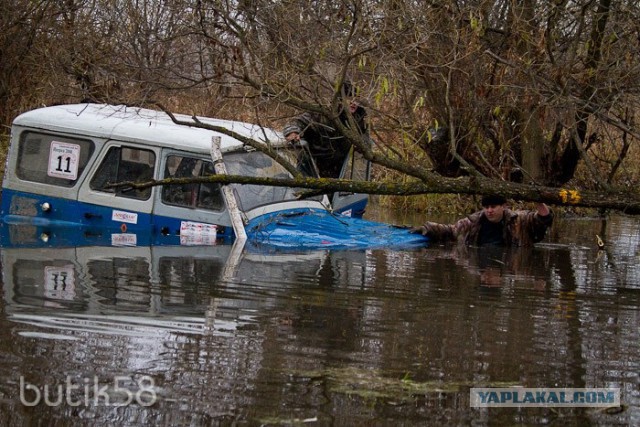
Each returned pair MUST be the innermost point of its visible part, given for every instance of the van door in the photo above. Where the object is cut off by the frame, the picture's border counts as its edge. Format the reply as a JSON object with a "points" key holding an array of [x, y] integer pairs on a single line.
{"points": [[356, 168], [122, 207], [192, 210]]}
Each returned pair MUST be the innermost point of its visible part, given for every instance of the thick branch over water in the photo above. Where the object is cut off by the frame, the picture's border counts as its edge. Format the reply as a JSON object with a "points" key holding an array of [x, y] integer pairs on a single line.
{"points": [[616, 199]]}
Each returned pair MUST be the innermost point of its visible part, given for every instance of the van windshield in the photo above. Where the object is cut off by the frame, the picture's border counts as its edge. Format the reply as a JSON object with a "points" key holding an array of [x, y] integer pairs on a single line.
{"points": [[258, 164]]}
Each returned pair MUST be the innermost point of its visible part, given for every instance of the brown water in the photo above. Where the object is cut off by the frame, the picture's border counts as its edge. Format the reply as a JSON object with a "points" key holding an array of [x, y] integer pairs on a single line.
{"points": [[208, 336]]}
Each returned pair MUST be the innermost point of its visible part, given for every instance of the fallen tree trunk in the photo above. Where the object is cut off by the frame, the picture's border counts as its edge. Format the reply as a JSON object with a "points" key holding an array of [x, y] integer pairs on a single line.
{"points": [[616, 199]]}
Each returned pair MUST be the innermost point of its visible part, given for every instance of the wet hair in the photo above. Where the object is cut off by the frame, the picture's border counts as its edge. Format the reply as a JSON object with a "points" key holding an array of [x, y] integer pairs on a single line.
{"points": [[493, 199]]}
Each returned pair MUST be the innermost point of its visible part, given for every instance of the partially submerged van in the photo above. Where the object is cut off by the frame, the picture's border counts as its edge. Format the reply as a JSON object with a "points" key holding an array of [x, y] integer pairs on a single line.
{"points": [[63, 160]]}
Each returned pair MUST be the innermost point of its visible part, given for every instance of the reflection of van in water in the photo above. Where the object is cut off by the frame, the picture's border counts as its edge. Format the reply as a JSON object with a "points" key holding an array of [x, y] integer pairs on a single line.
{"points": [[62, 160]]}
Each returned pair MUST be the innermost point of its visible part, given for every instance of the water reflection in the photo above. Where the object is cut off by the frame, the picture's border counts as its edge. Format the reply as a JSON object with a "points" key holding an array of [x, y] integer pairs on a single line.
{"points": [[344, 338]]}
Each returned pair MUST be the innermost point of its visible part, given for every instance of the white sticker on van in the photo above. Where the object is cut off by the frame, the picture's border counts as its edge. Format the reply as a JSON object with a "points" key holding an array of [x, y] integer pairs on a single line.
{"points": [[64, 159], [124, 239], [197, 233], [121, 216], [192, 229]]}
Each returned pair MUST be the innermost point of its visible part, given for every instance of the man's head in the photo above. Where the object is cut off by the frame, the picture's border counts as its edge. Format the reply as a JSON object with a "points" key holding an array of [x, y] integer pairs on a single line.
{"points": [[493, 207]]}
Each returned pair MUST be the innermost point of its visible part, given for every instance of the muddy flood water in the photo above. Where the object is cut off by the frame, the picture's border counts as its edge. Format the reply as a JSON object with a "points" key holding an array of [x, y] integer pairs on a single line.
{"points": [[198, 336]]}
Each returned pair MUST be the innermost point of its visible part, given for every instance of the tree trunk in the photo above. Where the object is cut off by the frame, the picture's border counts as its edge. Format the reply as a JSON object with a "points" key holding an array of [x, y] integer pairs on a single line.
{"points": [[532, 148], [564, 167]]}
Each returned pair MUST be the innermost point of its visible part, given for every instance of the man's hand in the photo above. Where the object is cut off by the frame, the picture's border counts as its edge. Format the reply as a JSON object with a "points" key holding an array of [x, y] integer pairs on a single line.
{"points": [[419, 230], [543, 210], [293, 137]]}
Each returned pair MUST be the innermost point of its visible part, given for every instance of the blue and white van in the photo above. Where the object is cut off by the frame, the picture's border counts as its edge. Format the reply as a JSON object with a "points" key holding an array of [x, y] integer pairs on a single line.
{"points": [[63, 159]]}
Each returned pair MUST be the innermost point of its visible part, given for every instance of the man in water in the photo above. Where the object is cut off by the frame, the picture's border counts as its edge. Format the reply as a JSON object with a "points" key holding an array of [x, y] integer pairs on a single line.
{"points": [[494, 225]]}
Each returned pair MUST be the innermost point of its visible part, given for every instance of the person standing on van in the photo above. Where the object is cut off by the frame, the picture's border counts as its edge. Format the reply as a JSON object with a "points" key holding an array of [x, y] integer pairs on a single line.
{"points": [[328, 147]]}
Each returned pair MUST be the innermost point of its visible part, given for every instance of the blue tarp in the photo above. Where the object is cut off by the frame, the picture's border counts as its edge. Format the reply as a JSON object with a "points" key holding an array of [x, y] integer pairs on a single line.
{"points": [[319, 229]]}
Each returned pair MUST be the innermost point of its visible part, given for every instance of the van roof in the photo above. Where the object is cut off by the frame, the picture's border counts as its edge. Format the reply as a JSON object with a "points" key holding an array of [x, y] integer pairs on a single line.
{"points": [[133, 124]]}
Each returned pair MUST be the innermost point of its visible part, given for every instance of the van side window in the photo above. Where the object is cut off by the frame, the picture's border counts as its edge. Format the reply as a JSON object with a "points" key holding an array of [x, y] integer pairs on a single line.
{"points": [[52, 159], [125, 164], [206, 195]]}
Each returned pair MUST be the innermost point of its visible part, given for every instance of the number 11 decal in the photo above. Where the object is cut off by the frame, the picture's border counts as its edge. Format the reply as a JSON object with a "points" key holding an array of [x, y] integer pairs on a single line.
{"points": [[67, 160], [63, 160]]}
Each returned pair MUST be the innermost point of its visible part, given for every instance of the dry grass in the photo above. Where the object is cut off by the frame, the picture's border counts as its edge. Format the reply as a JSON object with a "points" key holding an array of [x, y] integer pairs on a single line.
{"points": [[425, 203], [4, 149]]}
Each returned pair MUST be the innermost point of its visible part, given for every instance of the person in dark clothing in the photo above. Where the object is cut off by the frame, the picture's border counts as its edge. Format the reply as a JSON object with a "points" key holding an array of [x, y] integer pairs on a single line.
{"points": [[495, 224], [328, 147]]}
